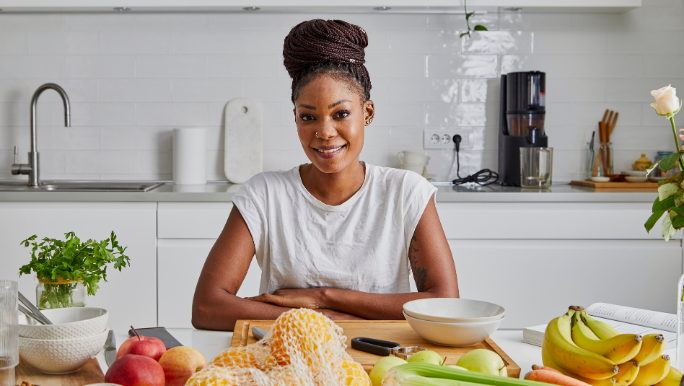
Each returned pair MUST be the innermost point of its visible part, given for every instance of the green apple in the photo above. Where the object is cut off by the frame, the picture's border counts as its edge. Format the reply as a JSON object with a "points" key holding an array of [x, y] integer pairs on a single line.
{"points": [[457, 367], [426, 356], [483, 361], [381, 367]]}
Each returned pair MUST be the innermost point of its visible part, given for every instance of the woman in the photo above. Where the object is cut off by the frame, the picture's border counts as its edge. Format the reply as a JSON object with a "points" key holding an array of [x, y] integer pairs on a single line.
{"points": [[336, 235]]}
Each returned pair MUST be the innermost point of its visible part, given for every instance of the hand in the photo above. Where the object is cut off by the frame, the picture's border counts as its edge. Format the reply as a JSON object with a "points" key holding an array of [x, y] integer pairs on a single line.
{"points": [[294, 298]]}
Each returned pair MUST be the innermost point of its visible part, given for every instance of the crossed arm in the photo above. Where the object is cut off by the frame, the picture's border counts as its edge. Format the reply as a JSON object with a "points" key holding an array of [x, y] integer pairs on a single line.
{"points": [[216, 307]]}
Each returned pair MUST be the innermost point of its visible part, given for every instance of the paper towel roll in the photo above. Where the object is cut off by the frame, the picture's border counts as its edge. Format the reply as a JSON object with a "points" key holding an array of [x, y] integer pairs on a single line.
{"points": [[189, 156]]}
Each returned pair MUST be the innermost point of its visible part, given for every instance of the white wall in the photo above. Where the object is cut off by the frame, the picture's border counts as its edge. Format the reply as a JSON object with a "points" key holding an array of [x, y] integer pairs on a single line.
{"points": [[133, 77]]}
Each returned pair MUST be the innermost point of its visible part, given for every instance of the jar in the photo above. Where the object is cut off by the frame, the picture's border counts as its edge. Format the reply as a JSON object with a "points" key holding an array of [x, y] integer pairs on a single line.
{"points": [[60, 294], [642, 163]]}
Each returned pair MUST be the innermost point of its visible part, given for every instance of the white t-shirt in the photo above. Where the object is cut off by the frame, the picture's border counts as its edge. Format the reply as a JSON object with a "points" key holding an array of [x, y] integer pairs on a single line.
{"points": [[360, 245]]}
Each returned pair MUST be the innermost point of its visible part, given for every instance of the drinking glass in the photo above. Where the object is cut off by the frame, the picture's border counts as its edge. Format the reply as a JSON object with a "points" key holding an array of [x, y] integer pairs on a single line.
{"points": [[9, 331], [536, 164]]}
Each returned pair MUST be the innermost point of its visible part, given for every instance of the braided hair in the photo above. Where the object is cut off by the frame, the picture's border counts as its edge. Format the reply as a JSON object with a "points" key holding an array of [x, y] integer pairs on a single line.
{"points": [[334, 47]]}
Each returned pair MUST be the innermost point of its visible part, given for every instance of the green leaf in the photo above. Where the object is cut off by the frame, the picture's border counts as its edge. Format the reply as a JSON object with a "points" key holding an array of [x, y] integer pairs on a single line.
{"points": [[667, 190], [669, 161], [480, 28], [668, 229], [663, 205], [464, 34], [678, 200], [653, 220], [653, 166], [678, 222], [469, 14]]}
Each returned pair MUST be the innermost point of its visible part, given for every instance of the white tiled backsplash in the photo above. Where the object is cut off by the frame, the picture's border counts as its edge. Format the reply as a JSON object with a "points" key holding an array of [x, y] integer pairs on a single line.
{"points": [[132, 78]]}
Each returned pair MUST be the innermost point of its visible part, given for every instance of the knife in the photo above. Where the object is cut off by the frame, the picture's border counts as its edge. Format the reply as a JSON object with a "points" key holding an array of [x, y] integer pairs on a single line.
{"points": [[110, 348], [259, 333]]}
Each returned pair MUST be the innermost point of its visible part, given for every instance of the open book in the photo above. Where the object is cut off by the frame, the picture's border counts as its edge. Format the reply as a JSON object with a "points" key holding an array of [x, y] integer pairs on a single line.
{"points": [[626, 320]]}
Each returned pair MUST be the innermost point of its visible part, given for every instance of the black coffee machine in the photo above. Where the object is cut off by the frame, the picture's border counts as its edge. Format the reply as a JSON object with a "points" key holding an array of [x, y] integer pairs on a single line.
{"points": [[523, 100]]}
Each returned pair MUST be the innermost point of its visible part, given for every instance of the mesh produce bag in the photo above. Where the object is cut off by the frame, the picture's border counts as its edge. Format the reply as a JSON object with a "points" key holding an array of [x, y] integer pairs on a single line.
{"points": [[304, 348]]}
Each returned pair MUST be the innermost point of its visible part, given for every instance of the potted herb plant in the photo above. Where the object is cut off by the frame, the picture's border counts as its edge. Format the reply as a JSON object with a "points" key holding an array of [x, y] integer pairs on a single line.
{"points": [[68, 269]]}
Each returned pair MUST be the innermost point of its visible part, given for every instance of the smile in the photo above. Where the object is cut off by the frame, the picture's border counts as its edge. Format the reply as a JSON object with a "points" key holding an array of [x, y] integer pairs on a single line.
{"points": [[329, 151]]}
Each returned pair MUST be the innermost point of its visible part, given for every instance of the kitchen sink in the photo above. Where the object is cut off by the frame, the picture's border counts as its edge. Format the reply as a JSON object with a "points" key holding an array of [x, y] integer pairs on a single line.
{"points": [[79, 186]]}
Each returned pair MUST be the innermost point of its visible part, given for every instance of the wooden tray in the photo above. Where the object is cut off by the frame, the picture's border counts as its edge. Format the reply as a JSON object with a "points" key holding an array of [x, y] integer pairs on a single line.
{"points": [[393, 330], [90, 373], [643, 186]]}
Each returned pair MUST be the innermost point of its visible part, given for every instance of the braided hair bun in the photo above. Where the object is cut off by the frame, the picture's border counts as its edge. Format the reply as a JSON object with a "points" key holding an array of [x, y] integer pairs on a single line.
{"points": [[326, 46]]}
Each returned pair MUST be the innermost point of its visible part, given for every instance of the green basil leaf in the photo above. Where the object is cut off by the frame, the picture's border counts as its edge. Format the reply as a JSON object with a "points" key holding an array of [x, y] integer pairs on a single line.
{"points": [[480, 28]]}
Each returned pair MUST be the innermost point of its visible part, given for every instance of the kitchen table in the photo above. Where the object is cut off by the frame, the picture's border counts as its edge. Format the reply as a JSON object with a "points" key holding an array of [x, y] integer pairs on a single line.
{"points": [[211, 343]]}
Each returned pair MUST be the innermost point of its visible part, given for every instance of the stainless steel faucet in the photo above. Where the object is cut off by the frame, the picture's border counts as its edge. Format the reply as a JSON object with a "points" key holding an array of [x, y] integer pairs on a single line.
{"points": [[32, 167]]}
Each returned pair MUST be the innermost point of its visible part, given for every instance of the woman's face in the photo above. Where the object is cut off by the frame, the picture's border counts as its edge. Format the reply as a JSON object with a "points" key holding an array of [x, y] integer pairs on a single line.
{"points": [[330, 122]]}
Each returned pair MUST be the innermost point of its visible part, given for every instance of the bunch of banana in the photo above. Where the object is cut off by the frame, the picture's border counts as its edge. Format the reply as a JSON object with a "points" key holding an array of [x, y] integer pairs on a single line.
{"points": [[594, 352]]}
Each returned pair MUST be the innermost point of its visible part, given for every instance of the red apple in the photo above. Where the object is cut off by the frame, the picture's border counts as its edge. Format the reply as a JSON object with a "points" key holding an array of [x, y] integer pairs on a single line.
{"points": [[135, 370], [142, 345], [180, 363]]}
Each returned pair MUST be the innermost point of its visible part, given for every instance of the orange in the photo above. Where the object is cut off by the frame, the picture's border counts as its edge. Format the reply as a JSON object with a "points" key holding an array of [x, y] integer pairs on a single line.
{"points": [[236, 358]]}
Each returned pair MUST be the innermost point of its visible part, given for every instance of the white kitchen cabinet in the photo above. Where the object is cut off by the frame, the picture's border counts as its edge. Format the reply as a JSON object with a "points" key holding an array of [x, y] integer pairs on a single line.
{"points": [[192, 220], [355, 6], [180, 264], [547, 220], [130, 296], [536, 280]]}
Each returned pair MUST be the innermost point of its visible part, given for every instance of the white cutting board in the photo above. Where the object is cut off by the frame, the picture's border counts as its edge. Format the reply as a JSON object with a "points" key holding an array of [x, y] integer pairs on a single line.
{"points": [[244, 136]]}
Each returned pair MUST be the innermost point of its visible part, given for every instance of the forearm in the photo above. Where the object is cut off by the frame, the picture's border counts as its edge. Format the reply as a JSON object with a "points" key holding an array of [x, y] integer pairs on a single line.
{"points": [[374, 306], [221, 310]]}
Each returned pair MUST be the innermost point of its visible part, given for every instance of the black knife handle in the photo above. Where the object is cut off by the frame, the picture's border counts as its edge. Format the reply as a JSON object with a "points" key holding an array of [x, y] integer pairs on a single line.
{"points": [[373, 346]]}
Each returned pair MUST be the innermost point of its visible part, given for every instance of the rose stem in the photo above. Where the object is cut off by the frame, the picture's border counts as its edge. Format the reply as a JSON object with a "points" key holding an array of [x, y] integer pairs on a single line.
{"points": [[674, 131]]}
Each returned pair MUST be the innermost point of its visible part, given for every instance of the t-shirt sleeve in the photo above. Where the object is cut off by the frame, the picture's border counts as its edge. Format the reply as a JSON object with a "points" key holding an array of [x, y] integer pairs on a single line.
{"points": [[417, 193], [248, 201]]}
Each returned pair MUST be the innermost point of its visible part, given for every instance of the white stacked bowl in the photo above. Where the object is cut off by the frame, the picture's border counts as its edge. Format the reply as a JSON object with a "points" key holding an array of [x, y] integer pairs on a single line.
{"points": [[75, 337], [453, 322]]}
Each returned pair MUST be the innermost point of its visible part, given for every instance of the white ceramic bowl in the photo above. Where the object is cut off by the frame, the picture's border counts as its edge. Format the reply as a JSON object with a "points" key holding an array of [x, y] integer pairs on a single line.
{"points": [[454, 310], [453, 334], [68, 323], [635, 173], [636, 179], [600, 179], [60, 356]]}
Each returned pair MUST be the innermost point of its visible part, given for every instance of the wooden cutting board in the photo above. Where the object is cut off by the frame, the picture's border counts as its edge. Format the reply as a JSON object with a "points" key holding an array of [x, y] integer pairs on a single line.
{"points": [[643, 186], [90, 373], [393, 330]]}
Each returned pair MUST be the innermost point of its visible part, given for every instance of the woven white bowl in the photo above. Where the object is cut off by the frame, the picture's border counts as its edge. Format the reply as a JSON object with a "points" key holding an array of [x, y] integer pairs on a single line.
{"points": [[61, 356], [68, 323], [454, 310]]}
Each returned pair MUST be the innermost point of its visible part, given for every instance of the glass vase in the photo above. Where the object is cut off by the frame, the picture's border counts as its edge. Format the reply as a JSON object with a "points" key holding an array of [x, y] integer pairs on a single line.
{"points": [[679, 360], [60, 294]]}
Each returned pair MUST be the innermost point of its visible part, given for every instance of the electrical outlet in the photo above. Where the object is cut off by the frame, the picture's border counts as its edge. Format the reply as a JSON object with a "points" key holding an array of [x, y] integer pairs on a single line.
{"points": [[435, 139]]}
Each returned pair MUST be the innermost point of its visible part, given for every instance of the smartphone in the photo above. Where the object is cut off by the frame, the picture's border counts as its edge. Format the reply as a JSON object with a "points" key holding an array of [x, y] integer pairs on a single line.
{"points": [[157, 332]]}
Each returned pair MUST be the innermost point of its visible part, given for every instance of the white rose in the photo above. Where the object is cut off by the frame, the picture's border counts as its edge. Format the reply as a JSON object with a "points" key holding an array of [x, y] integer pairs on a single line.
{"points": [[666, 100]]}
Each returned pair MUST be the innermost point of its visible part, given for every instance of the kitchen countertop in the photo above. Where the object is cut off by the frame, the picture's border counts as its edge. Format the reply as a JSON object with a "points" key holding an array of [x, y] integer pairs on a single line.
{"points": [[223, 192], [211, 343]]}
